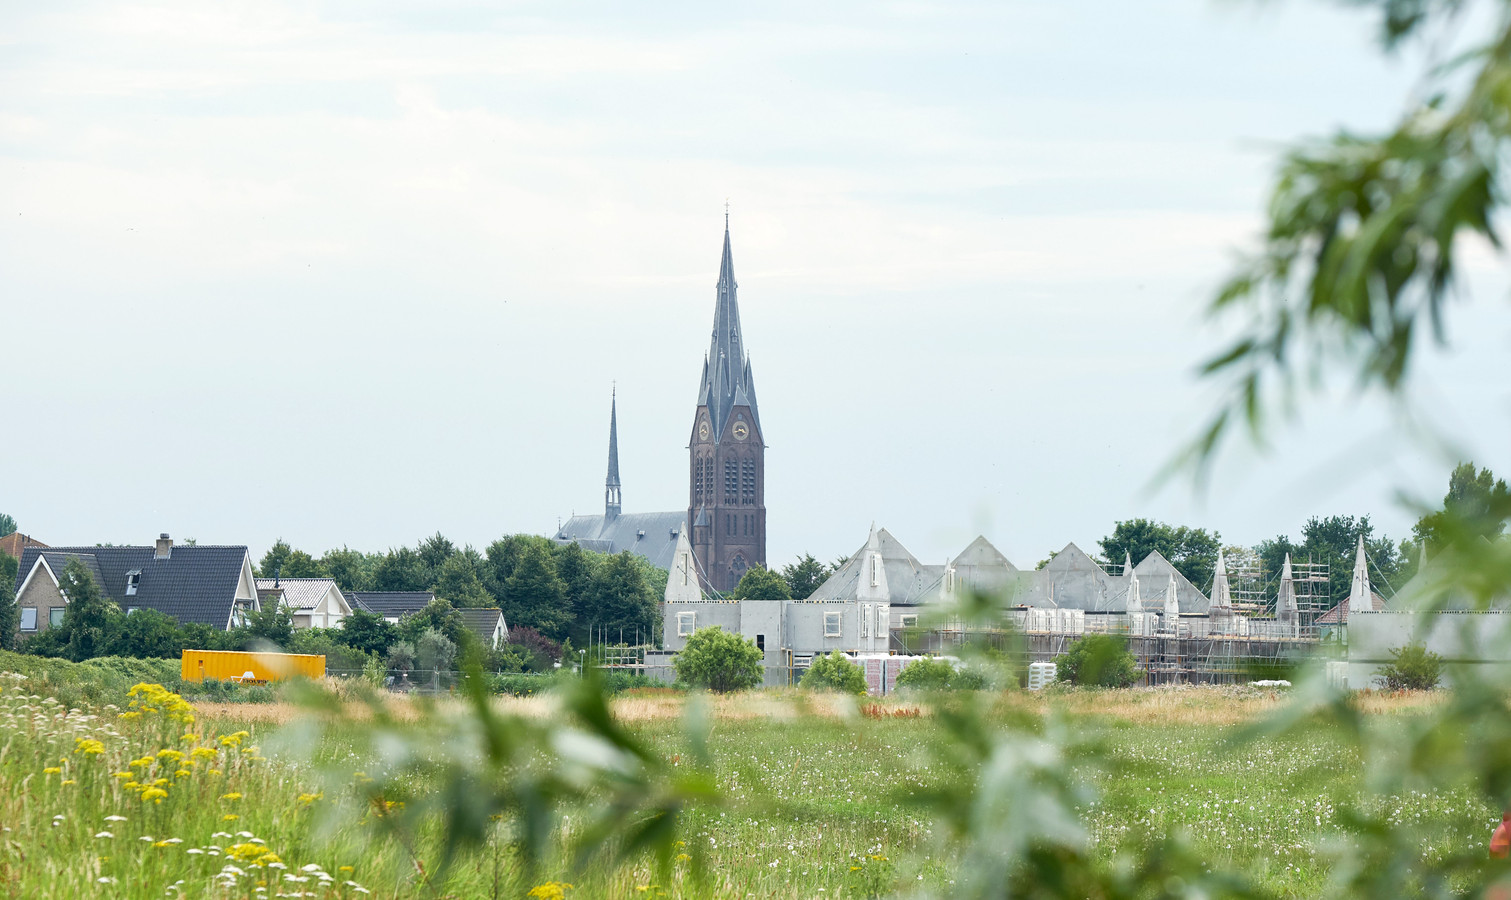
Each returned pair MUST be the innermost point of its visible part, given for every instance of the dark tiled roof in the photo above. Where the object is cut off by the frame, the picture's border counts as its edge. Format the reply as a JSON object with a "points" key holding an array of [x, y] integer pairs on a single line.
{"points": [[392, 603], [658, 544], [481, 621], [194, 584]]}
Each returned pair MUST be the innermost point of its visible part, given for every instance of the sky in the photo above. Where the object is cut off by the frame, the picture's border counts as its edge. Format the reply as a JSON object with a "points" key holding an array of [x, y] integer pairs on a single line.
{"points": [[352, 273]]}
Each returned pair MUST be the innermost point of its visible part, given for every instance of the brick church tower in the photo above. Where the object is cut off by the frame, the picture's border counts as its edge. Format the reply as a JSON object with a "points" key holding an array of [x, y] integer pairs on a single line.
{"points": [[727, 453]]}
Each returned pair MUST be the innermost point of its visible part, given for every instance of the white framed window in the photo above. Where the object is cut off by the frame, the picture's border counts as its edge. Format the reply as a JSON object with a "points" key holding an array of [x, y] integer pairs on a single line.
{"points": [[910, 621], [865, 620], [875, 569], [832, 622], [883, 620], [133, 579], [687, 623], [28, 618], [55, 616]]}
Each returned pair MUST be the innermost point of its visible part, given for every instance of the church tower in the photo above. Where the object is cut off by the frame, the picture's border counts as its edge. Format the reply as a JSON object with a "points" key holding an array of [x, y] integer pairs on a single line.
{"points": [[727, 452], [611, 499]]}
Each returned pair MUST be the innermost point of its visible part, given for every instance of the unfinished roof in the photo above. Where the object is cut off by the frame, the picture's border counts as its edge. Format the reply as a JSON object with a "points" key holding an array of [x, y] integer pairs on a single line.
{"points": [[1154, 574], [907, 579], [1072, 580]]}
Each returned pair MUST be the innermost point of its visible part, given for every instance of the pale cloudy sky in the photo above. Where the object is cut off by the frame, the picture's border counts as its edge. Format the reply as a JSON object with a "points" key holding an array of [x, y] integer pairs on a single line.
{"points": [[352, 273]]}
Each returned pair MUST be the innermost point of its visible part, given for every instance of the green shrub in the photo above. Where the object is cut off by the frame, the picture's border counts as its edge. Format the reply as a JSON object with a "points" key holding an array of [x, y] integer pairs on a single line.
{"points": [[835, 672], [1098, 660], [1412, 668], [213, 690], [719, 661], [934, 674], [96, 681], [520, 684]]}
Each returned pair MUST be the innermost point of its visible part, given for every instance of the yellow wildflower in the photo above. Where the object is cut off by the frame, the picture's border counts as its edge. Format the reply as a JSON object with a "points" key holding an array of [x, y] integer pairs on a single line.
{"points": [[231, 796], [204, 753], [51, 770], [551, 890], [214, 771], [141, 763], [161, 781], [234, 740], [307, 799], [182, 773], [120, 774], [229, 817], [68, 781], [155, 794], [345, 869], [174, 755], [189, 738], [89, 747]]}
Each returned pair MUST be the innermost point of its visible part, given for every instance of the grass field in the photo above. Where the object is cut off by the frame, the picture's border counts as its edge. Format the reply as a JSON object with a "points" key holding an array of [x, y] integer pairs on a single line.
{"points": [[248, 805]]}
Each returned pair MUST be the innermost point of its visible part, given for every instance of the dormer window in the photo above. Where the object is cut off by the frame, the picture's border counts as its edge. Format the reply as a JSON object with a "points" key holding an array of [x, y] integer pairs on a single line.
{"points": [[133, 578]]}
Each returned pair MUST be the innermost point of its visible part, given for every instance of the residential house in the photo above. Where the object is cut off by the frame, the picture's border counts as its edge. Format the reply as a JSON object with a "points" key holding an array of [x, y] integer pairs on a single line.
{"points": [[313, 602], [12, 544], [212, 585], [487, 624], [392, 605]]}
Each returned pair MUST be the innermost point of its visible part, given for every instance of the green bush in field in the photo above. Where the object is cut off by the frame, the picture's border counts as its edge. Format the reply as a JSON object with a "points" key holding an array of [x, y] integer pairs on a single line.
{"points": [[1098, 660], [835, 672], [934, 674], [1412, 668], [719, 661]]}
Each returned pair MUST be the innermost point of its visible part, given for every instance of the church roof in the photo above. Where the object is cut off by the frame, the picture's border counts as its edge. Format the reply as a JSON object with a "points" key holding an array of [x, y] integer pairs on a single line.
{"points": [[649, 535], [727, 380]]}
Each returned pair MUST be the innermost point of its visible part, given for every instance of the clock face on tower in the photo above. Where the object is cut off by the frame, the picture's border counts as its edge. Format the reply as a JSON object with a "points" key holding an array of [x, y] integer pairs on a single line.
{"points": [[741, 431], [703, 430]]}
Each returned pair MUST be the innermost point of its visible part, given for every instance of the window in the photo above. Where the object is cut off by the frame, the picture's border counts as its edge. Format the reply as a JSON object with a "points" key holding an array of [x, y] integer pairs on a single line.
{"points": [[686, 623], [761, 642], [731, 481], [28, 618], [865, 620], [698, 482], [55, 616], [831, 624], [875, 569], [910, 621], [747, 482], [133, 578]]}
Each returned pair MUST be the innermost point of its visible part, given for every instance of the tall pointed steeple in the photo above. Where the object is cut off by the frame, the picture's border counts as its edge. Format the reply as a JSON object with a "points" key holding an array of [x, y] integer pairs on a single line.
{"points": [[727, 381], [1172, 606], [1222, 592], [611, 498], [1287, 610], [1360, 594]]}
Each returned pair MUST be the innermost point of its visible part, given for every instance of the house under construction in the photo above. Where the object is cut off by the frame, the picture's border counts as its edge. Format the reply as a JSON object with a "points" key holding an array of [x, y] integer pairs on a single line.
{"points": [[884, 607]]}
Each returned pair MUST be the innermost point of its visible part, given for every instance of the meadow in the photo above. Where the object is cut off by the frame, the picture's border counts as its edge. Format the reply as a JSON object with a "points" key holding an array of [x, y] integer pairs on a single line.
{"points": [[817, 796]]}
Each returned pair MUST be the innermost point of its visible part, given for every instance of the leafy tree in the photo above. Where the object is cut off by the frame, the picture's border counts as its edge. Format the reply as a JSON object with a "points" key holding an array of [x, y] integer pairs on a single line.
{"points": [[438, 615], [199, 636], [834, 672], [434, 651], [458, 583], [86, 618], [576, 567], [146, 633], [1333, 540], [542, 652], [1412, 668], [1046, 560], [10, 613], [621, 602], [401, 656], [804, 576], [1193, 551], [760, 583], [535, 595], [435, 550], [7, 524], [1097, 660], [273, 560], [1476, 506], [368, 632], [327, 642], [273, 624], [503, 556], [402, 570], [352, 570], [719, 661]]}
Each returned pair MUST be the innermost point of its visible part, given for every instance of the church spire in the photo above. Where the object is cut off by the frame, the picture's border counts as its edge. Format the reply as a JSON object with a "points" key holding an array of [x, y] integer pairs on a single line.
{"points": [[611, 484], [727, 380]]}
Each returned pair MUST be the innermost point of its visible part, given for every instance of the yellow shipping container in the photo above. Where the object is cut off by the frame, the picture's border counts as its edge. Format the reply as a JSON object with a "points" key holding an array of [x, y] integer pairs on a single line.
{"points": [[228, 665]]}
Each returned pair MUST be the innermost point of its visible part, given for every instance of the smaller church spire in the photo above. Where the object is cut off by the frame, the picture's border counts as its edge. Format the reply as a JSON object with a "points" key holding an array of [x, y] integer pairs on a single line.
{"points": [[611, 499]]}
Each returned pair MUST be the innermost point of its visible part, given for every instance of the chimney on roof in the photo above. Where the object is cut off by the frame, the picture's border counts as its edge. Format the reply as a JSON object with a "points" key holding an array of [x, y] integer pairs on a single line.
{"points": [[164, 547]]}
